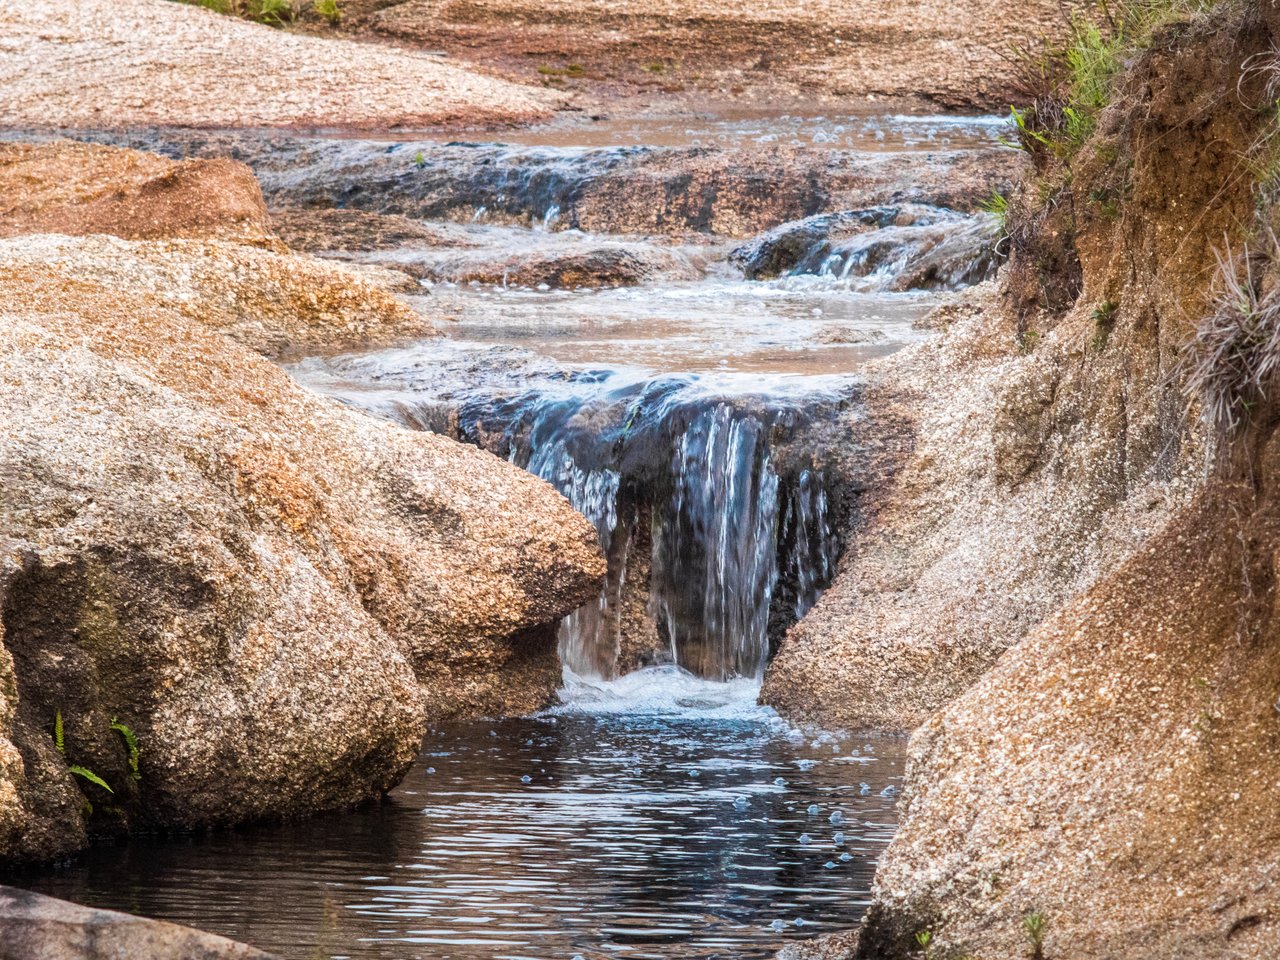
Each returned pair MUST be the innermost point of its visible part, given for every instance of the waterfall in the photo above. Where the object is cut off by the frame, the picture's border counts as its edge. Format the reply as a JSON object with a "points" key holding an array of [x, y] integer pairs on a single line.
{"points": [[719, 528]]}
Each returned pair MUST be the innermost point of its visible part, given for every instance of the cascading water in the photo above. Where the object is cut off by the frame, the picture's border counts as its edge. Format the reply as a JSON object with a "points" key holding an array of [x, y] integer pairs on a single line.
{"points": [[713, 543]]}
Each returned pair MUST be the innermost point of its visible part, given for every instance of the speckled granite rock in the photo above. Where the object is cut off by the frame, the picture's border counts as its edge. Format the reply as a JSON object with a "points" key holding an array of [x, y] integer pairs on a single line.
{"points": [[79, 188], [130, 63], [274, 303], [274, 592]]}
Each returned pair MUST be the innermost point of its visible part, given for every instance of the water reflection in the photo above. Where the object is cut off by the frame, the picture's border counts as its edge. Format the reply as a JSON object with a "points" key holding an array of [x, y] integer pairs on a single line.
{"points": [[652, 824]]}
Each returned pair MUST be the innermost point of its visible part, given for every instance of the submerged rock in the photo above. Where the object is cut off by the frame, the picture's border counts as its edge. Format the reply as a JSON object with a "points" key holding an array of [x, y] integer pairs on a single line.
{"points": [[906, 247], [34, 926], [273, 593]]}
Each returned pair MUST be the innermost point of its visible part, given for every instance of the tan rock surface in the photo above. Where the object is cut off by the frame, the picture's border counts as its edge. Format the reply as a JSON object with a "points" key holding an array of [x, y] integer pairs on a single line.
{"points": [[128, 63], [945, 53], [80, 188], [274, 303], [274, 592]]}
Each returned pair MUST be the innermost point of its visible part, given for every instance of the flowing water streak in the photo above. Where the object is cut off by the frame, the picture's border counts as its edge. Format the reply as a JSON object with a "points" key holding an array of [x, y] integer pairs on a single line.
{"points": [[677, 473]]}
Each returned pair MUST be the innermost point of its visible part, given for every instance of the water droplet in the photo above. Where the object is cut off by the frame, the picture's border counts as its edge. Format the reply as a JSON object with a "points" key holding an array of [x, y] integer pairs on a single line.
{"points": [[830, 865], [693, 773], [431, 769], [836, 818], [740, 803], [779, 782], [804, 838], [777, 926], [813, 809], [864, 788], [526, 779], [799, 921], [889, 791], [846, 857], [807, 764]]}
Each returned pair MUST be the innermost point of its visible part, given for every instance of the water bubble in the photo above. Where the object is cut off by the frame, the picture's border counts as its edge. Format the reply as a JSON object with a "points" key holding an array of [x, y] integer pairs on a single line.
{"points": [[838, 839], [836, 818], [526, 779], [740, 803], [864, 788], [813, 810], [805, 838], [778, 926], [889, 791]]}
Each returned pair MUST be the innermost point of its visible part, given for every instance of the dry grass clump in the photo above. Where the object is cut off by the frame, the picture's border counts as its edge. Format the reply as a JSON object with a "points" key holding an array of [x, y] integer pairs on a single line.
{"points": [[1235, 353]]}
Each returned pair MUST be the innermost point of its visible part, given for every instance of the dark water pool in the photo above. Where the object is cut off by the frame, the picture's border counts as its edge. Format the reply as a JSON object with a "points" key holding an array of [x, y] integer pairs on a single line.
{"points": [[662, 817]]}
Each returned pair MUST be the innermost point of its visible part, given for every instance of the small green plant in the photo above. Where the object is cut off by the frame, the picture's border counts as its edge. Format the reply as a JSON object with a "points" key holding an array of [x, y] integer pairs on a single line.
{"points": [[924, 940], [575, 70], [1104, 321], [998, 206], [60, 743], [329, 9], [1030, 338], [90, 776], [655, 67], [131, 744], [274, 12], [1033, 925], [420, 160]]}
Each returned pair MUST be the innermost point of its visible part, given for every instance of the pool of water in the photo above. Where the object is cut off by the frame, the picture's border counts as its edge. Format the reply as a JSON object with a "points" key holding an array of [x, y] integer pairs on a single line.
{"points": [[655, 816]]}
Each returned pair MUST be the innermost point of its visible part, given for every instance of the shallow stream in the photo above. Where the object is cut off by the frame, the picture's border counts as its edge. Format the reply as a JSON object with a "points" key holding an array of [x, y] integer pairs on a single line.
{"points": [[698, 413]]}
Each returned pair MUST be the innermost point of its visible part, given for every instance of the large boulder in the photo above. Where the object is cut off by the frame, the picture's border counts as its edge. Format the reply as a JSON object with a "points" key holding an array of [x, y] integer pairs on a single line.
{"points": [[1116, 773], [273, 593], [33, 926]]}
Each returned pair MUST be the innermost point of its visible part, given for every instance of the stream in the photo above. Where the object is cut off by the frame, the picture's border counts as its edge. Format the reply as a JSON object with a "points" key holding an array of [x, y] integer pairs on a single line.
{"points": [[697, 399]]}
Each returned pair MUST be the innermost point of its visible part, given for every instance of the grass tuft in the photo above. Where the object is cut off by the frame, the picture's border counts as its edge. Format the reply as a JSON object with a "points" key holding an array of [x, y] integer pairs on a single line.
{"points": [[1235, 353]]}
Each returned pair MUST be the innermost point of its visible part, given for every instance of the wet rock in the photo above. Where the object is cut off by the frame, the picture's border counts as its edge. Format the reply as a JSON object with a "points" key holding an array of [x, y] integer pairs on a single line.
{"points": [[630, 190], [906, 247], [79, 188], [324, 231], [595, 264], [273, 592], [33, 926]]}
